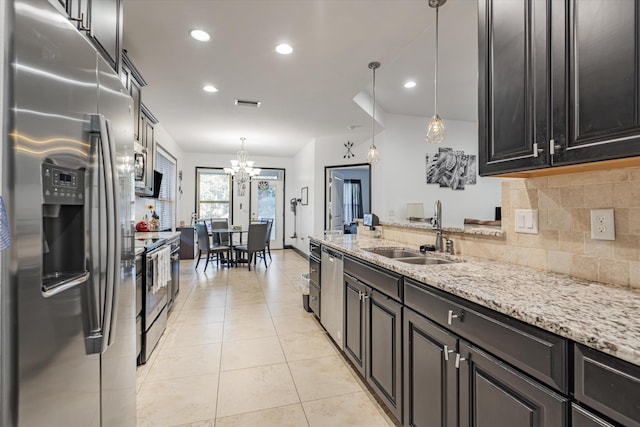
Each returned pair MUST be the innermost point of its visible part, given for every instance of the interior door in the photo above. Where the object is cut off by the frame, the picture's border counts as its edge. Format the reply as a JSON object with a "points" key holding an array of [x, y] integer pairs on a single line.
{"points": [[336, 201], [266, 202]]}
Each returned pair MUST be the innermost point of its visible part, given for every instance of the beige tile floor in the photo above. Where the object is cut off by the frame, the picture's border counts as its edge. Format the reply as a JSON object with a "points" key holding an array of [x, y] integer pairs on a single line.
{"points": [[239, 350]]}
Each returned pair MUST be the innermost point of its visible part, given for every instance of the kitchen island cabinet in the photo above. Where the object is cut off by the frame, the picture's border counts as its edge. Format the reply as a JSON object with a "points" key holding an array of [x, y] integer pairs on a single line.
{"points": [[558, 83], [430, 381], [516, 336], [373, 335], [493, 394]]}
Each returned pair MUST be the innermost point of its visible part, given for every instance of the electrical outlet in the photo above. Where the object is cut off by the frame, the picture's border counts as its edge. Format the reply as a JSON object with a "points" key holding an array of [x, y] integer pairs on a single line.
{"points": [[602, 224]]}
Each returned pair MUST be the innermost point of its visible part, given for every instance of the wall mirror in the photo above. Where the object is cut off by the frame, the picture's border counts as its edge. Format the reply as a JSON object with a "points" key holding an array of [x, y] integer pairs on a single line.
{"points": [[347, 196]]}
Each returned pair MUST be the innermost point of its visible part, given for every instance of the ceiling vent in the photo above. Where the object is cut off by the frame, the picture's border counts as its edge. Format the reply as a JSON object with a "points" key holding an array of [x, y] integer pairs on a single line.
{"points": [[245, 103]]}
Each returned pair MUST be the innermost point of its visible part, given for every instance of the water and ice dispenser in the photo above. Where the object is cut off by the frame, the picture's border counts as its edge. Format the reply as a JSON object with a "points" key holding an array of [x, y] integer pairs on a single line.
{"points": [[63, 224]]}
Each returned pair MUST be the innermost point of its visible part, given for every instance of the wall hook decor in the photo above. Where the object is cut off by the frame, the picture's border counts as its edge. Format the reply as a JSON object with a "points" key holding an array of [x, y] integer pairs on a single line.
{"points": [[349, 154]]}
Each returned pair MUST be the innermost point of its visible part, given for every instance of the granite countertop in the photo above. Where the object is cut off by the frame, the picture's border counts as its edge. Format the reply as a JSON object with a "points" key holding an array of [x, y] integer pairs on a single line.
{"points": [[156, 234], [603, 317], [467, 229], [148, 240]]}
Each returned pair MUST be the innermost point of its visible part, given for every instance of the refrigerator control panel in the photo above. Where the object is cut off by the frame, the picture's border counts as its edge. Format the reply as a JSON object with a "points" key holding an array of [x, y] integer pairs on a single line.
{"points": [[62, 186]]}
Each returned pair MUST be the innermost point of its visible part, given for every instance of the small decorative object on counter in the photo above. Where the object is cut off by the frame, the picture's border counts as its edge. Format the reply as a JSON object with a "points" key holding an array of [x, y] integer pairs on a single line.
{"points": [[142, 226], [154, 224]]}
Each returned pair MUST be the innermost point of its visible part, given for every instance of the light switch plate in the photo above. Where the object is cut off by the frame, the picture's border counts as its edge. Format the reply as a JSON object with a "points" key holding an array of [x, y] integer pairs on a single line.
{"points": [[602, 224], [527, 221]]}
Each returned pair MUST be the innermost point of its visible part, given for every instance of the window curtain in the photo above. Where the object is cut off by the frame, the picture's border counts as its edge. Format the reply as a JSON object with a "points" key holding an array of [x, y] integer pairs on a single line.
{"points": [[352, 200]]}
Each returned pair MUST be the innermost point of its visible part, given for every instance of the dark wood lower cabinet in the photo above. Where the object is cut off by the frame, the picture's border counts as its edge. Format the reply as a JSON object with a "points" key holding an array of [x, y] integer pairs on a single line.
{"points": [[384, 349], [580, 417], [314, 299], [373, 340], [492, 394], [430, 376], [354, 333]]}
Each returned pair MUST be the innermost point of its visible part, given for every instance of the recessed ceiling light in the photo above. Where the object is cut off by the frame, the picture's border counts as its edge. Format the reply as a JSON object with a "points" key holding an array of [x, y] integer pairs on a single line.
{"points": [[200, 35], [209, 88], [409, 85], [284, 49]]}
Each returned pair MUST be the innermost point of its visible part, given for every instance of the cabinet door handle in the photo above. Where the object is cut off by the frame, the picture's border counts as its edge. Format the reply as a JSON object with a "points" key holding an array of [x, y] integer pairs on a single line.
{"points": [[452, 316], [365, 296], [458, 360], [447, 351], [536, 151], [313, 270], [80, 22], [554, 147]]}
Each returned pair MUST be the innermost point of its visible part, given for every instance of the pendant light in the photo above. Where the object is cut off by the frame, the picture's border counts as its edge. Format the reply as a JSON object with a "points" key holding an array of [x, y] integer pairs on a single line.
{"points": [[436, 132], [373, 156]]}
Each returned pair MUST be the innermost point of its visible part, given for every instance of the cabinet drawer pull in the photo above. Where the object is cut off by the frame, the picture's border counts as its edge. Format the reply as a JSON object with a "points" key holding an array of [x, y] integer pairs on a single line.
{"points": [[446, 352], [313, 270], [452, 316], [458, 360]]}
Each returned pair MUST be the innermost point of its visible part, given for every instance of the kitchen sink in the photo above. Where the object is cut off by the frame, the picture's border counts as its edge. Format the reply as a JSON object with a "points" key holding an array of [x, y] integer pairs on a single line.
{"points": [[409, 256], [394, 252], [425, 260]]}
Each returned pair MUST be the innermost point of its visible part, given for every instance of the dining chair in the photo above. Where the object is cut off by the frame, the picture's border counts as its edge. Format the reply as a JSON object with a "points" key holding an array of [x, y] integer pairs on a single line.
{"points": [[267, 241], [255, 244], [222, 239], [205, 246]]}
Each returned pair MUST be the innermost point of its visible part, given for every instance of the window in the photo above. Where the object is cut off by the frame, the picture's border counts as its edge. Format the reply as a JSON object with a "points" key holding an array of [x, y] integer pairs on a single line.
{"points": [[213, 193], [352, 193], [166, 203]]}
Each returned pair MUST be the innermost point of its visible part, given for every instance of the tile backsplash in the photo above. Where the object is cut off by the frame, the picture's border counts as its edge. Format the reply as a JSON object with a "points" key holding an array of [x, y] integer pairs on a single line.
{"points": [[564, 243]]}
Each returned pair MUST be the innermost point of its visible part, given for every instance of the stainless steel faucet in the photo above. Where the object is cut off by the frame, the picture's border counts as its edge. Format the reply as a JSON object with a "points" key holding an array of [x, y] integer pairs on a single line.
{"points": [[436, 222]]}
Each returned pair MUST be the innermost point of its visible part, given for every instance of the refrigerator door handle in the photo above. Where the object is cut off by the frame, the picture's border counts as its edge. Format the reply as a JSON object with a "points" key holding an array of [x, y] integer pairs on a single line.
{"points": [[115, 235], [110, 211], [108, 245]]}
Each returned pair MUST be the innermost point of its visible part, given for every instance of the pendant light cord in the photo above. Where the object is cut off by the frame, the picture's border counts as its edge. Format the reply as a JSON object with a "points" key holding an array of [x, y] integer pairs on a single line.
{"points": [[373, 116], [435, 81]]}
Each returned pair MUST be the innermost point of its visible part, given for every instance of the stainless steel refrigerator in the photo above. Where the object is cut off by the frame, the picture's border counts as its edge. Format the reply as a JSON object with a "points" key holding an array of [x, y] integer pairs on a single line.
{"points": [[67, 296]]}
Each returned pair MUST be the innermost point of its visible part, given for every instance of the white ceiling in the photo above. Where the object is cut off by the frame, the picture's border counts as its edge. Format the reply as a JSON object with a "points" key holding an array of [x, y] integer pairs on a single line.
{"points": [[308, 94]]}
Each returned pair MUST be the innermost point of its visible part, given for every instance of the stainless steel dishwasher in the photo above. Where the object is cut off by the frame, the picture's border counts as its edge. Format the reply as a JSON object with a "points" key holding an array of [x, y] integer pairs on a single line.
{"points": [[332, 295]]}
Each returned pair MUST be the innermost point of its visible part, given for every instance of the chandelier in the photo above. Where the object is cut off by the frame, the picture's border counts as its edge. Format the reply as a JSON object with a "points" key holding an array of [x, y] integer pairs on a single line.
{"points": [[242, 168]]}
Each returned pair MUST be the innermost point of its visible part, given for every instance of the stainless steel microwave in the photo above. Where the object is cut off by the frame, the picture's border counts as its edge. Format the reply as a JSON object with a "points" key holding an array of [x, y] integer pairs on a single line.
{"points": [[139, 162]]}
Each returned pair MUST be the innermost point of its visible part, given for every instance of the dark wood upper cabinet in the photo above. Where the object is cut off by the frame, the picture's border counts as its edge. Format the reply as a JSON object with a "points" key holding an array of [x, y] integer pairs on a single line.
{"points": [[558, 83], [105, 29], [596, 75], [101, 22], [513, 85]]}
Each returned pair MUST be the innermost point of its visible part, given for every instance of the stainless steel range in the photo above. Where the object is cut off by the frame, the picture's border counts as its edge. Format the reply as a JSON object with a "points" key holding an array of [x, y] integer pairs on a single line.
{"points": [[154, 300]]}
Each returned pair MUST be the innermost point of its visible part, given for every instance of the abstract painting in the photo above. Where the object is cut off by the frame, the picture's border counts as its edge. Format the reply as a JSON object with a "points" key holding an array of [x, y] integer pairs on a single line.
{"points": [[451, 168]]}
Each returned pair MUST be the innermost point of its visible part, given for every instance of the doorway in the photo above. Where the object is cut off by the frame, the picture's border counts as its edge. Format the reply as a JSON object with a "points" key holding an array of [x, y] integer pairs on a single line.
{"points": [[347, 196], [267, 202]]}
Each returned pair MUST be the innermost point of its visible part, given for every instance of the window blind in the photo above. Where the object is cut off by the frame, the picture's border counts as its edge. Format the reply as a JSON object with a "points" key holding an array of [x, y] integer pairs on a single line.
{"points": [[166, 203]]}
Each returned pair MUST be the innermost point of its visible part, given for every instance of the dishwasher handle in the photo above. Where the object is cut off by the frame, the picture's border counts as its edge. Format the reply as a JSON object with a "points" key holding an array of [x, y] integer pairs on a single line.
{"points": [[335, 254]]}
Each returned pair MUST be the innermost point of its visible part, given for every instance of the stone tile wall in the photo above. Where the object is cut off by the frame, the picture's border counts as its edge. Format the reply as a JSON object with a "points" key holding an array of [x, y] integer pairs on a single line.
{"points": [[564, 242]]}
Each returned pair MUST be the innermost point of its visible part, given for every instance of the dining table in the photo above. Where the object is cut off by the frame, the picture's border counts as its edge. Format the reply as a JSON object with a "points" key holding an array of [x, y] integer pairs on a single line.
{"points": [[231, 232]]}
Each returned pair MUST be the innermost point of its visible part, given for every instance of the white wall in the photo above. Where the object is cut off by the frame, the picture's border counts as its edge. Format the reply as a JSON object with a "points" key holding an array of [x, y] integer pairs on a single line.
{"points": [[330, 152], [400, 177], [302, 175]]}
